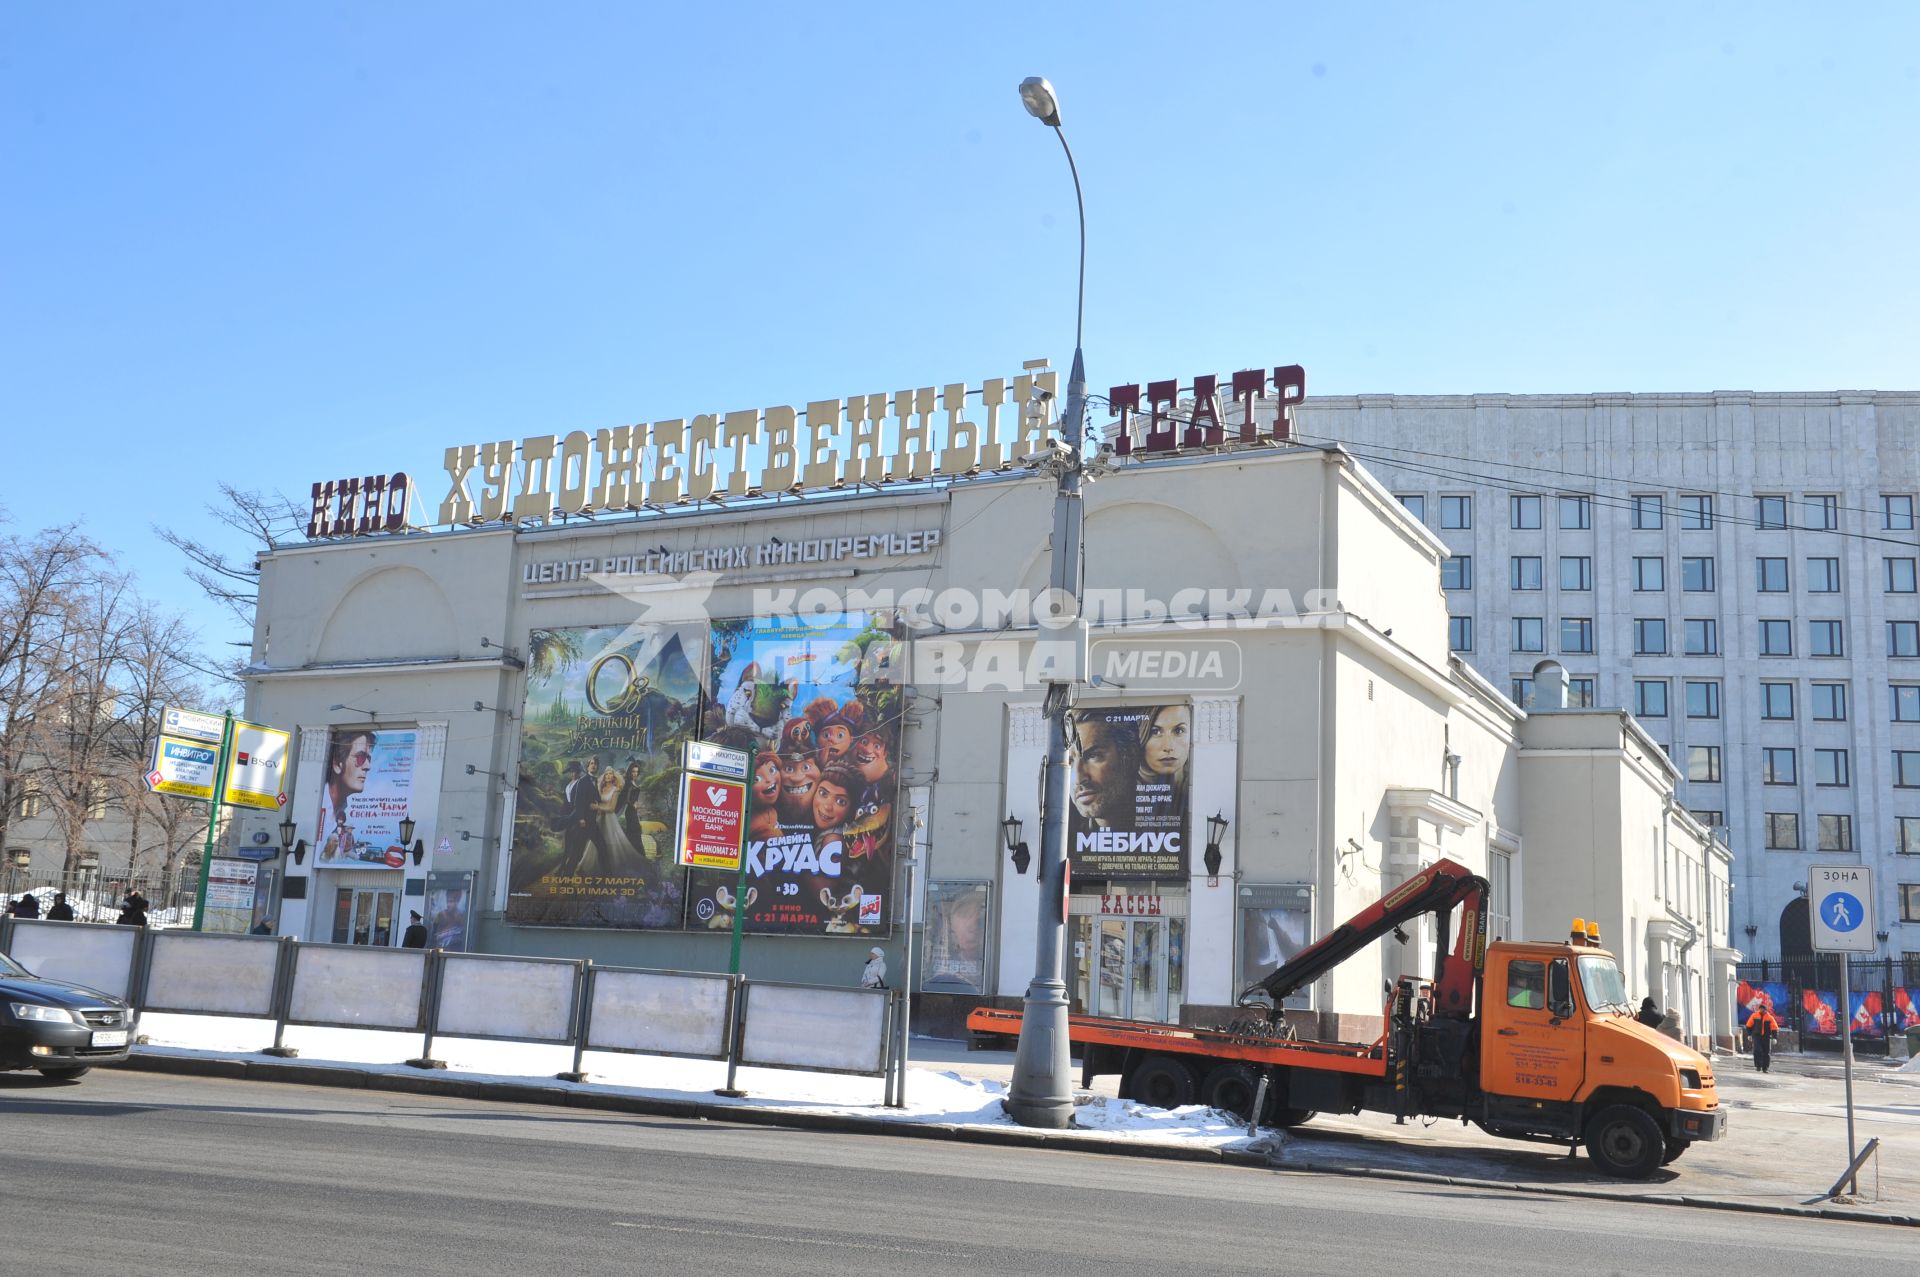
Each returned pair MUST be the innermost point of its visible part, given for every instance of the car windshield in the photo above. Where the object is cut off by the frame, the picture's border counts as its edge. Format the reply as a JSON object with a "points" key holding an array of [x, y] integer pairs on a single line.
{"points": [[1605, 987]]}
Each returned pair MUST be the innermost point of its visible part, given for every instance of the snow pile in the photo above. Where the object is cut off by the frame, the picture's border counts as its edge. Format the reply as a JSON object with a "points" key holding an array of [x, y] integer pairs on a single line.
{"points": [[932, 1096]]}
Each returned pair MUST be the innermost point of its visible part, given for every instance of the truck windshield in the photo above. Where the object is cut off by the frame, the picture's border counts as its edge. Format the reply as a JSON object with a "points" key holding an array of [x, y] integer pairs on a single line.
{"points": [[1606, 988]]}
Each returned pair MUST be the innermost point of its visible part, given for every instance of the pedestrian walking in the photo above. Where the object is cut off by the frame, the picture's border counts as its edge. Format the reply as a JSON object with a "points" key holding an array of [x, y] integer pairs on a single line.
{"points": [[416, 936], [61, 911], [1762, 1028]]}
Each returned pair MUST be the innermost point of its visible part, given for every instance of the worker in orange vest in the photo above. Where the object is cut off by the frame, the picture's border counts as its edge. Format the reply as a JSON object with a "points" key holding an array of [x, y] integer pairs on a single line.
{"points": [[1762, 1028]]}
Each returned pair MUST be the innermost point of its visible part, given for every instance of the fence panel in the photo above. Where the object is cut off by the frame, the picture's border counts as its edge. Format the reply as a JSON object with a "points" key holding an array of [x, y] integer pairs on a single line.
{"points": [[196, 973], [526, 999], [822, 1028], [358, 987], [660, 1012], [99, 957]]}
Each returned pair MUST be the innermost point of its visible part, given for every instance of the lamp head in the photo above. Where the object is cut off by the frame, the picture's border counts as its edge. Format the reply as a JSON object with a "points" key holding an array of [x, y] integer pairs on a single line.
{"points": [[1010, 830], [1040, 101]]}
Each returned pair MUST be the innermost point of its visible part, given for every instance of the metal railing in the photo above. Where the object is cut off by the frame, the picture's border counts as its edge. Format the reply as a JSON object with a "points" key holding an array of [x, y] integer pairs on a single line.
{"points": [[1803, 993], [499, 997]]}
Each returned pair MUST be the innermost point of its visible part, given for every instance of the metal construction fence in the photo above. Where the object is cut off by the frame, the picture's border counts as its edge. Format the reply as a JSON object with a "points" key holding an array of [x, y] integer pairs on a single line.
{"points": [[442, 994], [97, 897], [1804, 994]]}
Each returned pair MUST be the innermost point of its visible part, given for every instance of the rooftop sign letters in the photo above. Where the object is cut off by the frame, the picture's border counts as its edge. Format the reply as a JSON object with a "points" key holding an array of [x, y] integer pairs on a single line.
{"points": [[908, 435]]}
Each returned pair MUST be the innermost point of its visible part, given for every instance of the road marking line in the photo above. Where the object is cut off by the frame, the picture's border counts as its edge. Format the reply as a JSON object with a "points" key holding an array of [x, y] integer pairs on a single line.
{"points": [[788, 1237]]}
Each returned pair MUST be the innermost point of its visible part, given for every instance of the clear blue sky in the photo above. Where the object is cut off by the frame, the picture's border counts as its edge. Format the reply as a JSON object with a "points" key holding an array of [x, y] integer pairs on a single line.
{"points": [[274, 243]]}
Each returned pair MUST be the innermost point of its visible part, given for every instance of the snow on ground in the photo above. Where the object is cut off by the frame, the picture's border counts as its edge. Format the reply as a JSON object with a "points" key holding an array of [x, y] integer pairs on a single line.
{"points": [[932, 1096]]}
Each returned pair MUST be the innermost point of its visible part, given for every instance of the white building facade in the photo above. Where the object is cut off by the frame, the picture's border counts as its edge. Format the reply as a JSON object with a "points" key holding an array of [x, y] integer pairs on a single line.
{"points": [[1737, 569]]}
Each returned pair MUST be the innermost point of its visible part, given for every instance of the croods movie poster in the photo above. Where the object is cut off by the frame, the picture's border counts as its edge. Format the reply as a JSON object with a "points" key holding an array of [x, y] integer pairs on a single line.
{"points": [[606, 712], [812, 699]]}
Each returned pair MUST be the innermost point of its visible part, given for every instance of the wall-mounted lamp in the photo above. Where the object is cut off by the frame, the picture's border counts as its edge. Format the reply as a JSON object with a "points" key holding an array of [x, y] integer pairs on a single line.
{"points": [[1010, 830], [507, 654], [298, 850], [466, 835], [356, 709], [481, 771], [1216, 830], [1752, 931], [1881, 936], [419, 849], [481, 707]]}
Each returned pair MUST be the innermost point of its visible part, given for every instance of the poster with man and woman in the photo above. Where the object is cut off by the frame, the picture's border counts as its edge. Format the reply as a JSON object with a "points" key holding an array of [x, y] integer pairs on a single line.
{"points": [[1129, 782], [368, 786], [812, 701], [607, 710]]}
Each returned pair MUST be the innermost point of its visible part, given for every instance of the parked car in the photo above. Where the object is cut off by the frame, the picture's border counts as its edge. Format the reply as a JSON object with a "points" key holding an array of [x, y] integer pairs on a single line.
{"points": [[58, 1027]]}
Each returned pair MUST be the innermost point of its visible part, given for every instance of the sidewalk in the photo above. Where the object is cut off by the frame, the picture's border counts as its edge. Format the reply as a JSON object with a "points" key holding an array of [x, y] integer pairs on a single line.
{"points": [[1786, 1142]]}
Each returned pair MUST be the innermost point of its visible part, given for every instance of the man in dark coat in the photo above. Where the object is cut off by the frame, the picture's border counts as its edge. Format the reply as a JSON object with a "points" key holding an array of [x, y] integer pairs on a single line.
{"points": [[416, 936], [1649, 1014], [61, 911], [27, 906], [583, 829], [134, 912]]}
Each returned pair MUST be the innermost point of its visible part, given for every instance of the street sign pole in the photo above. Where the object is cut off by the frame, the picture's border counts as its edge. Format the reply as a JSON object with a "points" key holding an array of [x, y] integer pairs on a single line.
{"points": [[1846, 1056], [740, 884], [213, 818], [1840, 905]]}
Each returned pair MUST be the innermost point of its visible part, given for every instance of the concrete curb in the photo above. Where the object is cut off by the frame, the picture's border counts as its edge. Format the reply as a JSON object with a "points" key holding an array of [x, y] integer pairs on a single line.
{"points": [[435, 1083]]}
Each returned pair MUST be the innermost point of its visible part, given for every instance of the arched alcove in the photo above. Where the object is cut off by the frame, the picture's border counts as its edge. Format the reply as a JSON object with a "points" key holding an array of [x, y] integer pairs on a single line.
{"points": [[390, 614]]}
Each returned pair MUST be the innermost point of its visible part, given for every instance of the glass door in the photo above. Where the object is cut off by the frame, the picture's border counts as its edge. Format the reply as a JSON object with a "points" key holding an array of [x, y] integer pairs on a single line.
{"points": [[364, 915], [1128, 968]]}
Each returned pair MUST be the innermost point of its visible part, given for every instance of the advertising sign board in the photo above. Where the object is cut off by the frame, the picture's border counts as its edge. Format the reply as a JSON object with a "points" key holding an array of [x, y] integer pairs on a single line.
{"points": [[183, 767], [712, 820], [257, 767]]}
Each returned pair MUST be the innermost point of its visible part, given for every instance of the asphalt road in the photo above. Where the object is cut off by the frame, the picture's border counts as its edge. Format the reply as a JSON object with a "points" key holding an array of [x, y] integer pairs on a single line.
{"points": [[160, 1174]]}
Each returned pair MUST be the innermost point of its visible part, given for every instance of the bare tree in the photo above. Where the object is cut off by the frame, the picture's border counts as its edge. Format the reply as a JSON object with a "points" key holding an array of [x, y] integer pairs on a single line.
{"points": [[73, 746], [157, 670], [42, 580], [264, 521]]}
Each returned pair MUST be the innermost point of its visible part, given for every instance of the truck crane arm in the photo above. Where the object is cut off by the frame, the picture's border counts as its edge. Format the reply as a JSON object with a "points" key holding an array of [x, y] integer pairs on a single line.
{"points": [[1436, 890]]}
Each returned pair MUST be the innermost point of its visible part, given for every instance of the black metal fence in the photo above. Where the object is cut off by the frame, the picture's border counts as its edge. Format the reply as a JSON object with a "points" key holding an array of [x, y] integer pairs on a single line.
{"points": [[1804, 994]]}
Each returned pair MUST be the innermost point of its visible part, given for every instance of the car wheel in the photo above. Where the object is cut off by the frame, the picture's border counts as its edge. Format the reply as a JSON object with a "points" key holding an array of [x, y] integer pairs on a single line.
{"points": [[1162, 1081], [1231, 1088], [1626, 1142], [73, 1074]]}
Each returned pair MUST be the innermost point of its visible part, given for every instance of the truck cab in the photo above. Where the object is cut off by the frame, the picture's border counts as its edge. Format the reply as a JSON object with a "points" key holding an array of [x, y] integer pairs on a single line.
{"points": [[1562, 1057]]}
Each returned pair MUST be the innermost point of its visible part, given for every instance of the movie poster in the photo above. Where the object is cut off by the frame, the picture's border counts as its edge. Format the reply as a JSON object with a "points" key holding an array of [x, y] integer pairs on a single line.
{"points": [[958, 914], [813, 701], [447, 899], [607, 710], [1128, 781], [368, 786]]}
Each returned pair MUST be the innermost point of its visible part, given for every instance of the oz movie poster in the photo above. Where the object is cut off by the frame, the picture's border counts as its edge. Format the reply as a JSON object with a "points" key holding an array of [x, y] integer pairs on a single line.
{"points": [[368, 787], [607, 710], [814, 701], [1128, 777]]}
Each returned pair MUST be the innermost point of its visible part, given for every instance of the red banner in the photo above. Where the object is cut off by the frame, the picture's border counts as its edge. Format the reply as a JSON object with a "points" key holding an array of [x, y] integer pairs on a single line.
{"points": [[712, 819]]}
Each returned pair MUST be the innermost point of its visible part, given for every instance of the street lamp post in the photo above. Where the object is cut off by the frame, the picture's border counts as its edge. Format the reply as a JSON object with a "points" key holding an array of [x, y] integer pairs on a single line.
{"points": [[1040, 1094]]}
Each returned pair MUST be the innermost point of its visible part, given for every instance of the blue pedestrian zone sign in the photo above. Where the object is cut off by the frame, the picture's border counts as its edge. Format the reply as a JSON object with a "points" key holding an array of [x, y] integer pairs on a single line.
{"points": [[1841, 904], [1841, 911]]}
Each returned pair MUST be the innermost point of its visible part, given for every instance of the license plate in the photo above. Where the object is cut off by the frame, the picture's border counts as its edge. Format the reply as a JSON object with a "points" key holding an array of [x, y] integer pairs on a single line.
{"points": [[110, 1037]]}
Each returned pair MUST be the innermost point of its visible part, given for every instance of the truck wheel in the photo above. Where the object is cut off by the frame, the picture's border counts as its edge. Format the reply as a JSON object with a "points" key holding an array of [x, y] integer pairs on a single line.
{"points": [[1674, 1149], [1626, 1142], [1231, 1088], [1287, 1118], [73, 1074], [1162, 1081]]}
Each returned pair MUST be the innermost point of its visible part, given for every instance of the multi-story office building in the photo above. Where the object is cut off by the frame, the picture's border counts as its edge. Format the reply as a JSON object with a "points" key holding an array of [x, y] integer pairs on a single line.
{"points": [[1739, 569]]}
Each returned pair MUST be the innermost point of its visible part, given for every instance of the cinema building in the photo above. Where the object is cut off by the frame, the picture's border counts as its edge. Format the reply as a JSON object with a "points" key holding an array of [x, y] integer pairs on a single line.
{"points": [[1278, 732]]}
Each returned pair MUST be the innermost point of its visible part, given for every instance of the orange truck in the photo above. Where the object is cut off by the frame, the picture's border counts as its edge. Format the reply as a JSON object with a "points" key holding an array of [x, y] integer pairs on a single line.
{"points": [[1533, 1041]]}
